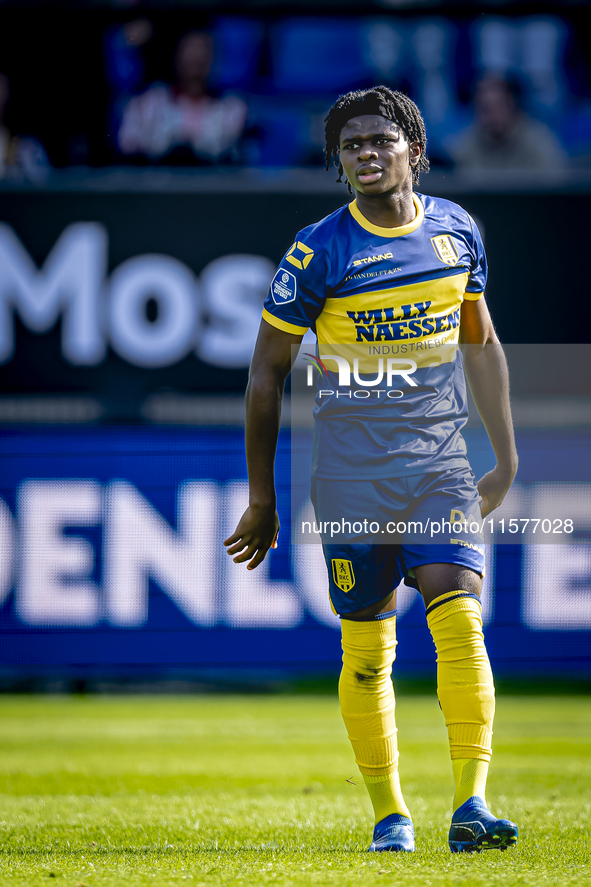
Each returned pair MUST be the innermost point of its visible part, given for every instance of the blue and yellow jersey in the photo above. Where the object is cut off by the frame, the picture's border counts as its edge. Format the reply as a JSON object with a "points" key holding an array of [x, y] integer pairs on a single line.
{"points": [[383, 296]]}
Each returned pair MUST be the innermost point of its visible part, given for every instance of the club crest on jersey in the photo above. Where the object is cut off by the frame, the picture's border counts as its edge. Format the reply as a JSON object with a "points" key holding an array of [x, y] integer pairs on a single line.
{"points": [[300, 255], [343, 575], [284, 287], [445, 249]]}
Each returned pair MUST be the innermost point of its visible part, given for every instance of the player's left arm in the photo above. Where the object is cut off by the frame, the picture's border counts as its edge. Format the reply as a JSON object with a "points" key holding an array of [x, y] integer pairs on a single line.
{"points": [[488, 377]]}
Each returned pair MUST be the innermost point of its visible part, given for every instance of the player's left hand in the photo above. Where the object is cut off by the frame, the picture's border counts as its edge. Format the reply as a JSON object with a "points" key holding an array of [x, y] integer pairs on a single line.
{"points": [[493, 488], [256, 533]]}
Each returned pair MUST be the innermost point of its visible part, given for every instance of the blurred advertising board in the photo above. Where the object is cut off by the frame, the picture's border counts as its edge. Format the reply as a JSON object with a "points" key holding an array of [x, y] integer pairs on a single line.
{"points": [[112, 563], [118, 295]]}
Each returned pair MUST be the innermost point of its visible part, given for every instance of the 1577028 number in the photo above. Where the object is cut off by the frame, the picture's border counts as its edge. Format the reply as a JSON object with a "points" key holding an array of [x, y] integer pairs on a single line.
{"points": [[545, 525]]}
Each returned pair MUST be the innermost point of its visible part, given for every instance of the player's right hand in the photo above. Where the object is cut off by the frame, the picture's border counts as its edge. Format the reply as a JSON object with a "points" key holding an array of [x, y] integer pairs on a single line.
{"points": [[256, 533]]}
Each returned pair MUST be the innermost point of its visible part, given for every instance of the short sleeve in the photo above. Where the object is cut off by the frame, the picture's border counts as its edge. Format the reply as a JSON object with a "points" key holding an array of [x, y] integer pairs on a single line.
{"points": [[298, 290], [478, 271]]}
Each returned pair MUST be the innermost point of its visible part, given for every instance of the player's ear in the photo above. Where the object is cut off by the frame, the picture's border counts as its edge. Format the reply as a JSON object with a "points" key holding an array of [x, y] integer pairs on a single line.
{"points": [[415, 152]]}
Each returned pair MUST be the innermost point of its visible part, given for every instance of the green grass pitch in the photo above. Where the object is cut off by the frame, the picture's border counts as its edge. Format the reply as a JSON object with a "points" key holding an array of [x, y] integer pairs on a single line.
{"points": [[253, 790]]}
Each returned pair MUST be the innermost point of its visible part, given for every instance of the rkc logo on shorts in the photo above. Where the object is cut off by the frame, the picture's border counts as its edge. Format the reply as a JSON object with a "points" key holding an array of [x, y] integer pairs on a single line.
{"points": [[342, 573]]}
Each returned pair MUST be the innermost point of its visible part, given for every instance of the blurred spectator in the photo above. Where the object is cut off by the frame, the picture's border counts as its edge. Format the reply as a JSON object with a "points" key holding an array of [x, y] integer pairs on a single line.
{"points": [[21, 157], [533, 45], [184, 124], [503, 136], [124, 63]]}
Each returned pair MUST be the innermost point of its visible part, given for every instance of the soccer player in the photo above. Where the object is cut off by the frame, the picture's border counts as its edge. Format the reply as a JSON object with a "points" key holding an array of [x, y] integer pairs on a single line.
{"points": [[401, 269]]}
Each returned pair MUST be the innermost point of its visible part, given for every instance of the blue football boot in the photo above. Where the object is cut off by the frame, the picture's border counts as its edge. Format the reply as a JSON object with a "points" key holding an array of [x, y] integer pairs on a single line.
{"points": [[474, 828], [394, 833]]}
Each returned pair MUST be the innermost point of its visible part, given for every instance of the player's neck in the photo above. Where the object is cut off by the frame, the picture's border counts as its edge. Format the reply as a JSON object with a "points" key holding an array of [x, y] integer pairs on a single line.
{"points": [[390, 210]]}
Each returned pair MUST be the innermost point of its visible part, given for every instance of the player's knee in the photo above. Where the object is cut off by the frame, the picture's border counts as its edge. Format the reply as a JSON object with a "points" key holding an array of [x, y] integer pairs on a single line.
{"points": [[369, 649], [365, 673], [368, 666], [467, 630]]}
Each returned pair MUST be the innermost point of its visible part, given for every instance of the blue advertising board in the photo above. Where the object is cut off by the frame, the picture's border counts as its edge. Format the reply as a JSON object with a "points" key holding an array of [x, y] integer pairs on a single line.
{"points": [[112, 562]]}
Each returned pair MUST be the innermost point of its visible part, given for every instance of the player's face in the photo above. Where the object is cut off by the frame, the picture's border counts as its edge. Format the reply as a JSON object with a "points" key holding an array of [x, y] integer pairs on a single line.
{"points": [[376, 155]]}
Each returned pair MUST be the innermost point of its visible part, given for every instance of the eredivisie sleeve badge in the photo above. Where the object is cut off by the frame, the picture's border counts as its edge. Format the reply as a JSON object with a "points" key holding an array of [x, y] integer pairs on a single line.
{"points": [[284, 287]]}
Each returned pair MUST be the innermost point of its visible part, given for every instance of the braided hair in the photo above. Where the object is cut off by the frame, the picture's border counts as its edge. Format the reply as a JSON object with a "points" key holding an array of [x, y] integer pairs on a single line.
{"points": [[388, 103]]}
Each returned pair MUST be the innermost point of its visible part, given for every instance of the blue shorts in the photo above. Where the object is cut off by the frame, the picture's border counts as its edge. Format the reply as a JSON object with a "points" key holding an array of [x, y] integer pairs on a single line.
{"points": [[374, 533]]}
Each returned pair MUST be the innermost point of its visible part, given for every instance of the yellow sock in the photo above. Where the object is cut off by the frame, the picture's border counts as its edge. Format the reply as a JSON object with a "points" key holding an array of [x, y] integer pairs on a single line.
{"points": [[470, 778], [367, 705], [465, 688]]}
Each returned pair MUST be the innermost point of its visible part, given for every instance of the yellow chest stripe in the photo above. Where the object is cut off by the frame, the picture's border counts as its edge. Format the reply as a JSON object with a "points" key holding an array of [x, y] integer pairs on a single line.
{"points": [[393, 308]]}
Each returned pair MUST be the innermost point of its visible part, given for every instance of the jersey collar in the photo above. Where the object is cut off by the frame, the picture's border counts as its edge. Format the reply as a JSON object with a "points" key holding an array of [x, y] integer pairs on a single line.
{"points": [[389, 232]]}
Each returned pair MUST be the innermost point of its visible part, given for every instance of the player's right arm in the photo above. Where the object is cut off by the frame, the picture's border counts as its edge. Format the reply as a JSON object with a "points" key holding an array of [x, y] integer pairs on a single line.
{"points": [[258, 527], [295, 299]]}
